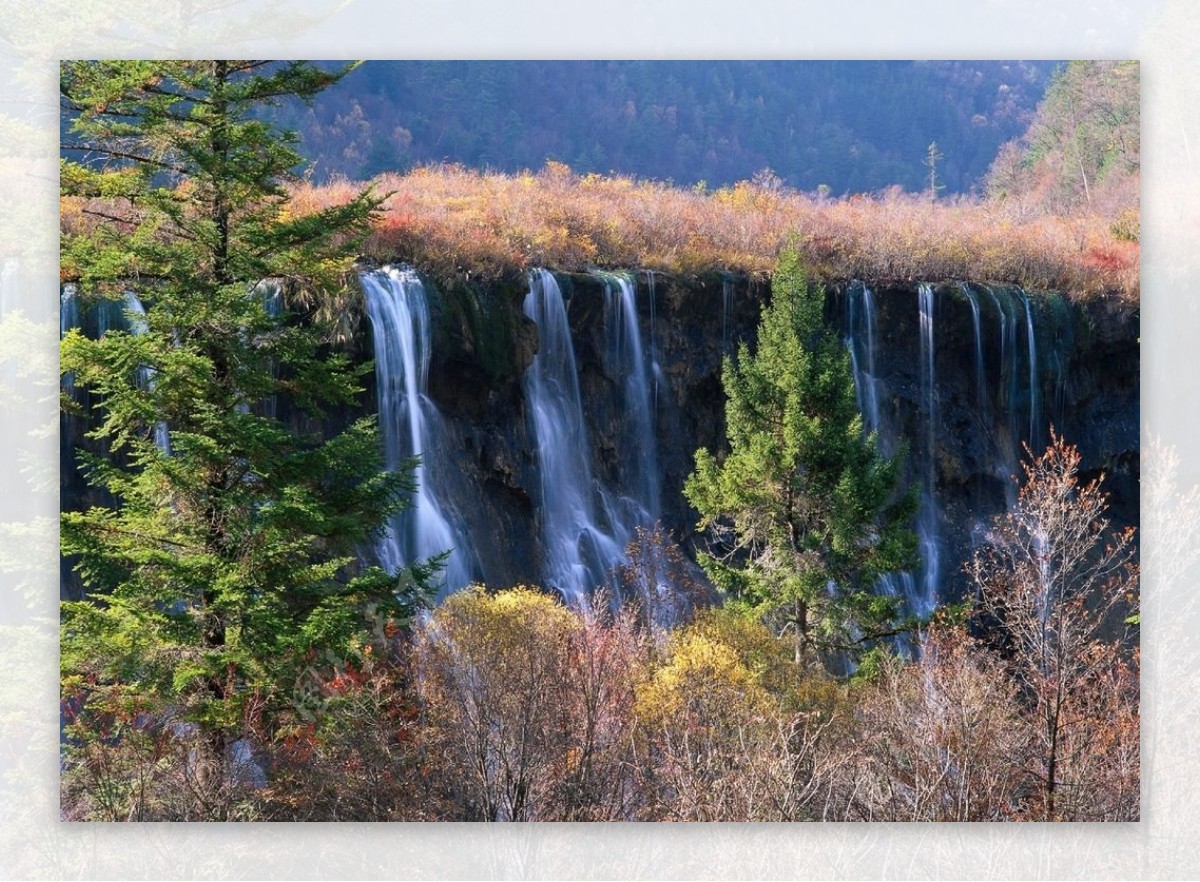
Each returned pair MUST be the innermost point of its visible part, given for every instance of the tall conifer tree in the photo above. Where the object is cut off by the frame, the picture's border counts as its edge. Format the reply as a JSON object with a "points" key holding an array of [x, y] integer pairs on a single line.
{"points": [[803, 512], [227, 561]]}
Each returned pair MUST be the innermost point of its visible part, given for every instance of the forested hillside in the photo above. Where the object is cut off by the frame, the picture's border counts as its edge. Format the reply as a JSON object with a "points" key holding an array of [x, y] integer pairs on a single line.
{"points": [[1082, 152], [849, 126]]}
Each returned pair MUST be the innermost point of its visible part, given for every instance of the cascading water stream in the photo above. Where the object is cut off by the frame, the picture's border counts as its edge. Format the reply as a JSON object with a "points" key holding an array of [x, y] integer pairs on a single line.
{"points": [[1033, 375], [977, 326], [1054, 365], [270, 294], [127, 314], [399, 312], [655, 370], [628, 364], [1010, 374], [69, 316], [726, 312], [856, 366], [861, 336], [863, 344], [135, 314], [928, 515], [1005, 397], [579, 550]]}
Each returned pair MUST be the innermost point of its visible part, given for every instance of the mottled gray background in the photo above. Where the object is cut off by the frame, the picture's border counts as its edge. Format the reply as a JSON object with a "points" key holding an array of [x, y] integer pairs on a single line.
{"points": [[34, 34]]}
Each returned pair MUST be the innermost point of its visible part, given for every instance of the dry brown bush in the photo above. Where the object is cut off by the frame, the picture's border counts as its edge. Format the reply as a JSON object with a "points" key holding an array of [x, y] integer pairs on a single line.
{"points": [[943, 737], [447, 218]]}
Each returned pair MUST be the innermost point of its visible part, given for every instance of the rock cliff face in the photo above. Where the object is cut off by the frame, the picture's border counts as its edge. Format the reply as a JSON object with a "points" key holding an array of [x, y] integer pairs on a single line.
{"points": [[1084, 382], [963, 413]]}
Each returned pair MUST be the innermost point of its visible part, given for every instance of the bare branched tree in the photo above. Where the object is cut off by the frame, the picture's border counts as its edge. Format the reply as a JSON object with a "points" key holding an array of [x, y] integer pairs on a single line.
{"points": [[943, 736], [1055, 582]]}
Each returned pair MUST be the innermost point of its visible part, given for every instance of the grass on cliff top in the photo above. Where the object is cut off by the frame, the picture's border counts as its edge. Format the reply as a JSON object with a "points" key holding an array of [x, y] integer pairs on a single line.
{"points": [[448, 218]]}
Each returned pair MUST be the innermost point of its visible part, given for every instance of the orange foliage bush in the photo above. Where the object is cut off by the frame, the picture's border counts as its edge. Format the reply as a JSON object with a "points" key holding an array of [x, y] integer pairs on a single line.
{"points": [[448, 218]]}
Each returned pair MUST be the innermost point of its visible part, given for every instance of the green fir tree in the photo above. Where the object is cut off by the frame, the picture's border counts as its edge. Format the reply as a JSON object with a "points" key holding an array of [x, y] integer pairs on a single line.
{"points": [[227, 564], [803, 513]]}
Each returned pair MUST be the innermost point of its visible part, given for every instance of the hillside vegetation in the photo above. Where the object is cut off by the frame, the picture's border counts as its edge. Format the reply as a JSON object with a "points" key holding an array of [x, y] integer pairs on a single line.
{"points": [[1060, 210], [1082, 152], [449, 218], [848, 126]]}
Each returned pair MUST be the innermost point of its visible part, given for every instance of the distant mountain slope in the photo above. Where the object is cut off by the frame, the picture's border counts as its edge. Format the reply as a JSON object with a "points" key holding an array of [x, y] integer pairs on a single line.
{"points": [[848, 126], [1082, 152]]}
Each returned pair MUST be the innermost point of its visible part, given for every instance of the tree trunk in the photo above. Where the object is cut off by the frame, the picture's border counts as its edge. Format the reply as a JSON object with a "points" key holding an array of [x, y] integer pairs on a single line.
{"points": [[801, 623], [219, 144]]}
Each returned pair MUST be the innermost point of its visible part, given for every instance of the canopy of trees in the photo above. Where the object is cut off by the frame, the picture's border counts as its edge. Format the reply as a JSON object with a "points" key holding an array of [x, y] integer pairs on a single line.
{"points": [[848, 127], [1082, 152]]}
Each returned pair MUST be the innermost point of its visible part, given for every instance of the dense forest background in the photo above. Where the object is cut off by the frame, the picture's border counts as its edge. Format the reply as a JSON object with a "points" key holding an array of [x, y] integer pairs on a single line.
{"points": [[846, 126]]}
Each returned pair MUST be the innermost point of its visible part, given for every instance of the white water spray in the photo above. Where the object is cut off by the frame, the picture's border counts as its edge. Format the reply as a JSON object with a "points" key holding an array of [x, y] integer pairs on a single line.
{"points": [[399, 311]]}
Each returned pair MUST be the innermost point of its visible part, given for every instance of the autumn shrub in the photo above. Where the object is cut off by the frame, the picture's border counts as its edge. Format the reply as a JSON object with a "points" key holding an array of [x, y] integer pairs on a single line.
{"points": [[530, 705], [131, 773], [449, 218], [354, 750], [729, 729], [943, 737], [130, 760], [709, 735], [767, 657]]}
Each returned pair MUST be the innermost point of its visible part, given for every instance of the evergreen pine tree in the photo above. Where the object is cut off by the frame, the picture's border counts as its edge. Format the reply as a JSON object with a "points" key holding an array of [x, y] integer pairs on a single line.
{"points": [[803, 512], [227, 564]]}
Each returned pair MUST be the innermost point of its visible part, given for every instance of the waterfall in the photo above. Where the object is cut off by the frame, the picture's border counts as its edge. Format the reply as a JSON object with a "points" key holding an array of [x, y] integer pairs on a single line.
{"points": [[584, 524], [1007, 382], [269, 292], [928, 515], [1002, 391], [855, 362], [628, 366], [127, 314], [412, 427], [655, 371], [925, 302], [135, 316], [860, 335], [112, 315], [863, 344], [1055, 362], [1033, 375], [69, 316], [580, 551], [977, 325], [726, 312], [872, 396], [68, 310], [861, 340]]}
